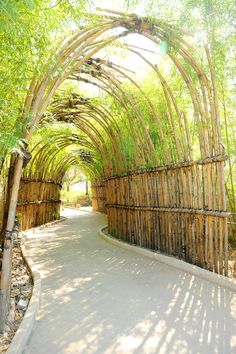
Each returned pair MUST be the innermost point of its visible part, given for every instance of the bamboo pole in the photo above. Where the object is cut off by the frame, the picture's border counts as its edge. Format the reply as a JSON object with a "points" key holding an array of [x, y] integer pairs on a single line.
{"points": [[7, 247]]}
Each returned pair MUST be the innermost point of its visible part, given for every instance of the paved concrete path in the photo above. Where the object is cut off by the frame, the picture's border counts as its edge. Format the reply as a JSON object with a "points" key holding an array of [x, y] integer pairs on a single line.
{"points": [[99, 298]]}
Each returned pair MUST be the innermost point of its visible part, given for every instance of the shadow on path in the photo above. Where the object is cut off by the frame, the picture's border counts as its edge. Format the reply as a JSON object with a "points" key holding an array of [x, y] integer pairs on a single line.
{"points": [[98, 298]]}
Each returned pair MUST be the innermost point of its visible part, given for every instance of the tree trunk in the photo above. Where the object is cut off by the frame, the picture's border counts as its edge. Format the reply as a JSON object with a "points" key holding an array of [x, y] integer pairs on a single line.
{"points": [[7, 247]]}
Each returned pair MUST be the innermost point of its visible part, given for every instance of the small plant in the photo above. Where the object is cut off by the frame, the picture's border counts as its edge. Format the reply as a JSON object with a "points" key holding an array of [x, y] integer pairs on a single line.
{"points": [[55, 215]]}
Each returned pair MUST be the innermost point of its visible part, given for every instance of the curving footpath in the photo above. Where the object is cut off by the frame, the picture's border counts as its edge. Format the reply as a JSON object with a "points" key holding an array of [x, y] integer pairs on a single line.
{"points": [[100, 298]]}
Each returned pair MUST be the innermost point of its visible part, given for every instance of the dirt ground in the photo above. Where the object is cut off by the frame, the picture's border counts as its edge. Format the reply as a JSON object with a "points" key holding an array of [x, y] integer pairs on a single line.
{"points": [[21, 289]]}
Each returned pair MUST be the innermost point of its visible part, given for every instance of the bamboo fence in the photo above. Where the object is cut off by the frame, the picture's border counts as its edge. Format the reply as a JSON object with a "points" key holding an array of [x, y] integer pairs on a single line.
{"points": [[38, 202], [170, 209], [99, 198]]}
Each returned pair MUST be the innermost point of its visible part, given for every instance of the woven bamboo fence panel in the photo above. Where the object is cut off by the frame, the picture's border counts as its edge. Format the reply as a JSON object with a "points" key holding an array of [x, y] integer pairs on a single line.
{"points": [[38, 202], [99, 198], [175, 210]]}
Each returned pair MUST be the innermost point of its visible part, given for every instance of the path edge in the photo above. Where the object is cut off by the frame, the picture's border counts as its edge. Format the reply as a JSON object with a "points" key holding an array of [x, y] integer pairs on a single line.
{"points": [[220, 280], [24, 331]]}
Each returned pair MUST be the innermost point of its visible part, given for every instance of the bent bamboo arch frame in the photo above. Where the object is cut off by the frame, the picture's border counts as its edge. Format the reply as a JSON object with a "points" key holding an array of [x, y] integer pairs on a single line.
{"points": [[77, 50], [48, 151]]}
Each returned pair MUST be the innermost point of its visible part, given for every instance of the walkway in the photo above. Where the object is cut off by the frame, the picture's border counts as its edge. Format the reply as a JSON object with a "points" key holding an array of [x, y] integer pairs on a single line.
{"points": [[99, 298]]}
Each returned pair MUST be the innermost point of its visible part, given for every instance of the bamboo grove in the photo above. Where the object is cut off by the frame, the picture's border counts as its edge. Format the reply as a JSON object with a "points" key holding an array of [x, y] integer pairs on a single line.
{"points": [[153, 152]]}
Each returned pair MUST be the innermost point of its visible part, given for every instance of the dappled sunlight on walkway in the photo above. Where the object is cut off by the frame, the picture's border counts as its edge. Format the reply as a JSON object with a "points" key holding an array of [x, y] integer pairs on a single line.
{"points": [[98, 298]]}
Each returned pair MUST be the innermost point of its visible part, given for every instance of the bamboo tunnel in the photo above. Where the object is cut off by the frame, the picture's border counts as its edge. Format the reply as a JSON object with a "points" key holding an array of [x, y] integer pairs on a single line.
{"points": [[178, 206], [156, 170]]}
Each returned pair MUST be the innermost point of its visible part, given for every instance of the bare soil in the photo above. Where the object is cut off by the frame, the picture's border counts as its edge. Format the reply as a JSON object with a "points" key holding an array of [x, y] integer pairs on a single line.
{"points": [[21, 289]]}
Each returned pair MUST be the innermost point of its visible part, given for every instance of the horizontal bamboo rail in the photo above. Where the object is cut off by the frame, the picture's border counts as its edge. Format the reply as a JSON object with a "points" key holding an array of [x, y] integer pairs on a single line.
{"points": [[221, 214], [40, 202], [174, 166], [27, 179]]}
